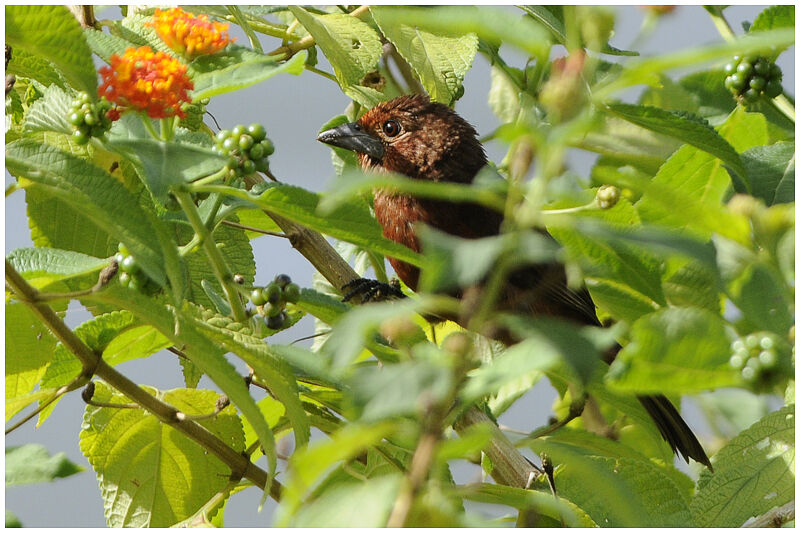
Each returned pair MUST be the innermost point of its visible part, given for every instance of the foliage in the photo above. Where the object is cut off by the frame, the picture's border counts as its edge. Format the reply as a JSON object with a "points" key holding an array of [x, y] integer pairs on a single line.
{"points": [[683, 233]]}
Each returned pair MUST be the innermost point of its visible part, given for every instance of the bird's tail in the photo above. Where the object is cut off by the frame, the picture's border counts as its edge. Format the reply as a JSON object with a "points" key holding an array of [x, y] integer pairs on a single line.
{"points": [[674, 429]]}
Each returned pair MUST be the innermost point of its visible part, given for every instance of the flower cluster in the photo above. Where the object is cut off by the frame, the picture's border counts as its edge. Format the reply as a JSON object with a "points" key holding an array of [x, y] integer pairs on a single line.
{"points": [[190, 35], [148, 81]]}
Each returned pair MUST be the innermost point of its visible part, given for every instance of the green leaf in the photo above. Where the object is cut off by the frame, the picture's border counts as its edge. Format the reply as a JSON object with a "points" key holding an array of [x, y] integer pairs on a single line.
{"points": [[42, 266], [49, 113], [708, 90], [759, 295], [268, 366], [308, 465], [256, 218], [95, 193], [352, 47], [53, 33], [677, 350], [440, 61], [540, 502], [150, 474], [32, 463], [402, 389], [351, 222], [504, 97], [635, 492], [12, 520], [236, 68], [774, 17], [29, 349], [180, 329], [695, 181], [683, 126], [105, 44], [753, 473], [24, 64], [694, 285], [362, 504], [771, 172], [489, 23]]}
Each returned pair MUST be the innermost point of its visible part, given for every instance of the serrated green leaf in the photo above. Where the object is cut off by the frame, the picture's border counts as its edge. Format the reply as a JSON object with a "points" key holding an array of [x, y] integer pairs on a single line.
{"points": [[352, 47], [636, 492], [774, 17], [759, 295], [41, 266], [754, 472], [675, 350], [683, 126], [49, 113], [53, 33], [150, 474], [440, 61], [620, 300], [694, 284], [256, 218], [351, 222], [771, 172], [180, 329], [32, 463], [95, 193], [268, 366], [504, 98], [308, 465], [24, 64], [237, 68], [105, 44]]}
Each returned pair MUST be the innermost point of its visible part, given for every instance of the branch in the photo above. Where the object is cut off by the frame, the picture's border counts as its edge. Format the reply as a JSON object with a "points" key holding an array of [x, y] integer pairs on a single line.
{"points": [[94, 364], [774, 518]]}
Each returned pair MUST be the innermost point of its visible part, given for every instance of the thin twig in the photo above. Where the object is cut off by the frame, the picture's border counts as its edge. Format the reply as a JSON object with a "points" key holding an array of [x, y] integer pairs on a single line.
{"points": [[255, 230], [774, 518]]}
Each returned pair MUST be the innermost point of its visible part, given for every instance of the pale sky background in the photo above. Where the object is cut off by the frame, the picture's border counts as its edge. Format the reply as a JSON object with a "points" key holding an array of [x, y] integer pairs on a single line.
{"points": [[293, 109]]}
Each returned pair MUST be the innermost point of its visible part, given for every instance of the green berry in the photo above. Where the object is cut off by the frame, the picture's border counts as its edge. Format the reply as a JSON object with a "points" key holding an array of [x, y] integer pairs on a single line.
{"points": [[277, 321], [256, 152], [773, 88], [84, 98], [222, 135], [256, 296], [751, 95], [137, 283], [229, 144], [272, 293], [76, 119], [762, 67], [90, 119], [291, 293], [775, 71], [248, 167], [262, 165], [730, 68], [768, 358], [736, 361], [757, 83], [80, 137], [119, 258], [751, 342], [273, 309], [129, 265], [245, 141], [124, 278], [257, 131], [766, 343], [269, 148], [749, 374], [238, 130], [282, 280], [737, 81], [745, 69]]}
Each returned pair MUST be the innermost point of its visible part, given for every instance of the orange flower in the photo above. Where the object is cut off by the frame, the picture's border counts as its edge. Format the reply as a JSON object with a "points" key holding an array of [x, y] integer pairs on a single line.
{"points": [[189, 35], [148, 81]]}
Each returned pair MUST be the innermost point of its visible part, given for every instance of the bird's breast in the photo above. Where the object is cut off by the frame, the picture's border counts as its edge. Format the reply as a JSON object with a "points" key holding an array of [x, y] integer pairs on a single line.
{"points": [[397, 215]]}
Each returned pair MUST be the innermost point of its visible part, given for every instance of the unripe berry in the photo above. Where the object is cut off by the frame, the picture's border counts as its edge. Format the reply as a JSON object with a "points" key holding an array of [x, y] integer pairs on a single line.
{"points": [[257, 297]]}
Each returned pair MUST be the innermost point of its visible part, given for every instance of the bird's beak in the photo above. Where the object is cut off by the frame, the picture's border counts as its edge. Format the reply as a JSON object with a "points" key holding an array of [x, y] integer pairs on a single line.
{"points": [[352, 137]]}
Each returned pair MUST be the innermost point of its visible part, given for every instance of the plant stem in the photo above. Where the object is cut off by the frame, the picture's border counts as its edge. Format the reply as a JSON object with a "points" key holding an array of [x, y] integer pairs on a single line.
{"points": [[218, 264], [721, 23], [94, 364], [242, 22], [782, 104], [148, 125]]}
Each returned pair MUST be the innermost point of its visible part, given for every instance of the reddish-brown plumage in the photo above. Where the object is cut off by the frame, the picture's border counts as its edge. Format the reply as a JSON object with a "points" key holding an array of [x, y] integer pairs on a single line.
{"points": [[429, 141]]}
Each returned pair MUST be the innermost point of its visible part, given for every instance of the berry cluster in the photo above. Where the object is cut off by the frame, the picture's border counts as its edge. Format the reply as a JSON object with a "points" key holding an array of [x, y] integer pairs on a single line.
{"points": [[750, 78], [271, 300], [248, 146], [131, 274], [759, 357], [90, 119]]}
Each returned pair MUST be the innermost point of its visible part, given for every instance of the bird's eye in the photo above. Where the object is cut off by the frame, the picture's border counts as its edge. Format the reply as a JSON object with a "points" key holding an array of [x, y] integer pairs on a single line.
{"points": [[391, 128]]}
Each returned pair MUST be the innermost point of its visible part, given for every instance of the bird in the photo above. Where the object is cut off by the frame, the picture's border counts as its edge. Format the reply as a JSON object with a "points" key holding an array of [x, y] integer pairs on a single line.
{"points": [[425, 140]]}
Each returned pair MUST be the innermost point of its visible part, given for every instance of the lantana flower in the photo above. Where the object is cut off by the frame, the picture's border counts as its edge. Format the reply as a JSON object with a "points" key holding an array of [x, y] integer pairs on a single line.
{"points": [[190, 35], [141, 79]]}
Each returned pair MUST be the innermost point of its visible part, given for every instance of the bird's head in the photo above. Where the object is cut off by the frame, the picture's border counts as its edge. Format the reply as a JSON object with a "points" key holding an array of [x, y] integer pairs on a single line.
{"points": [[413, 136]]}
